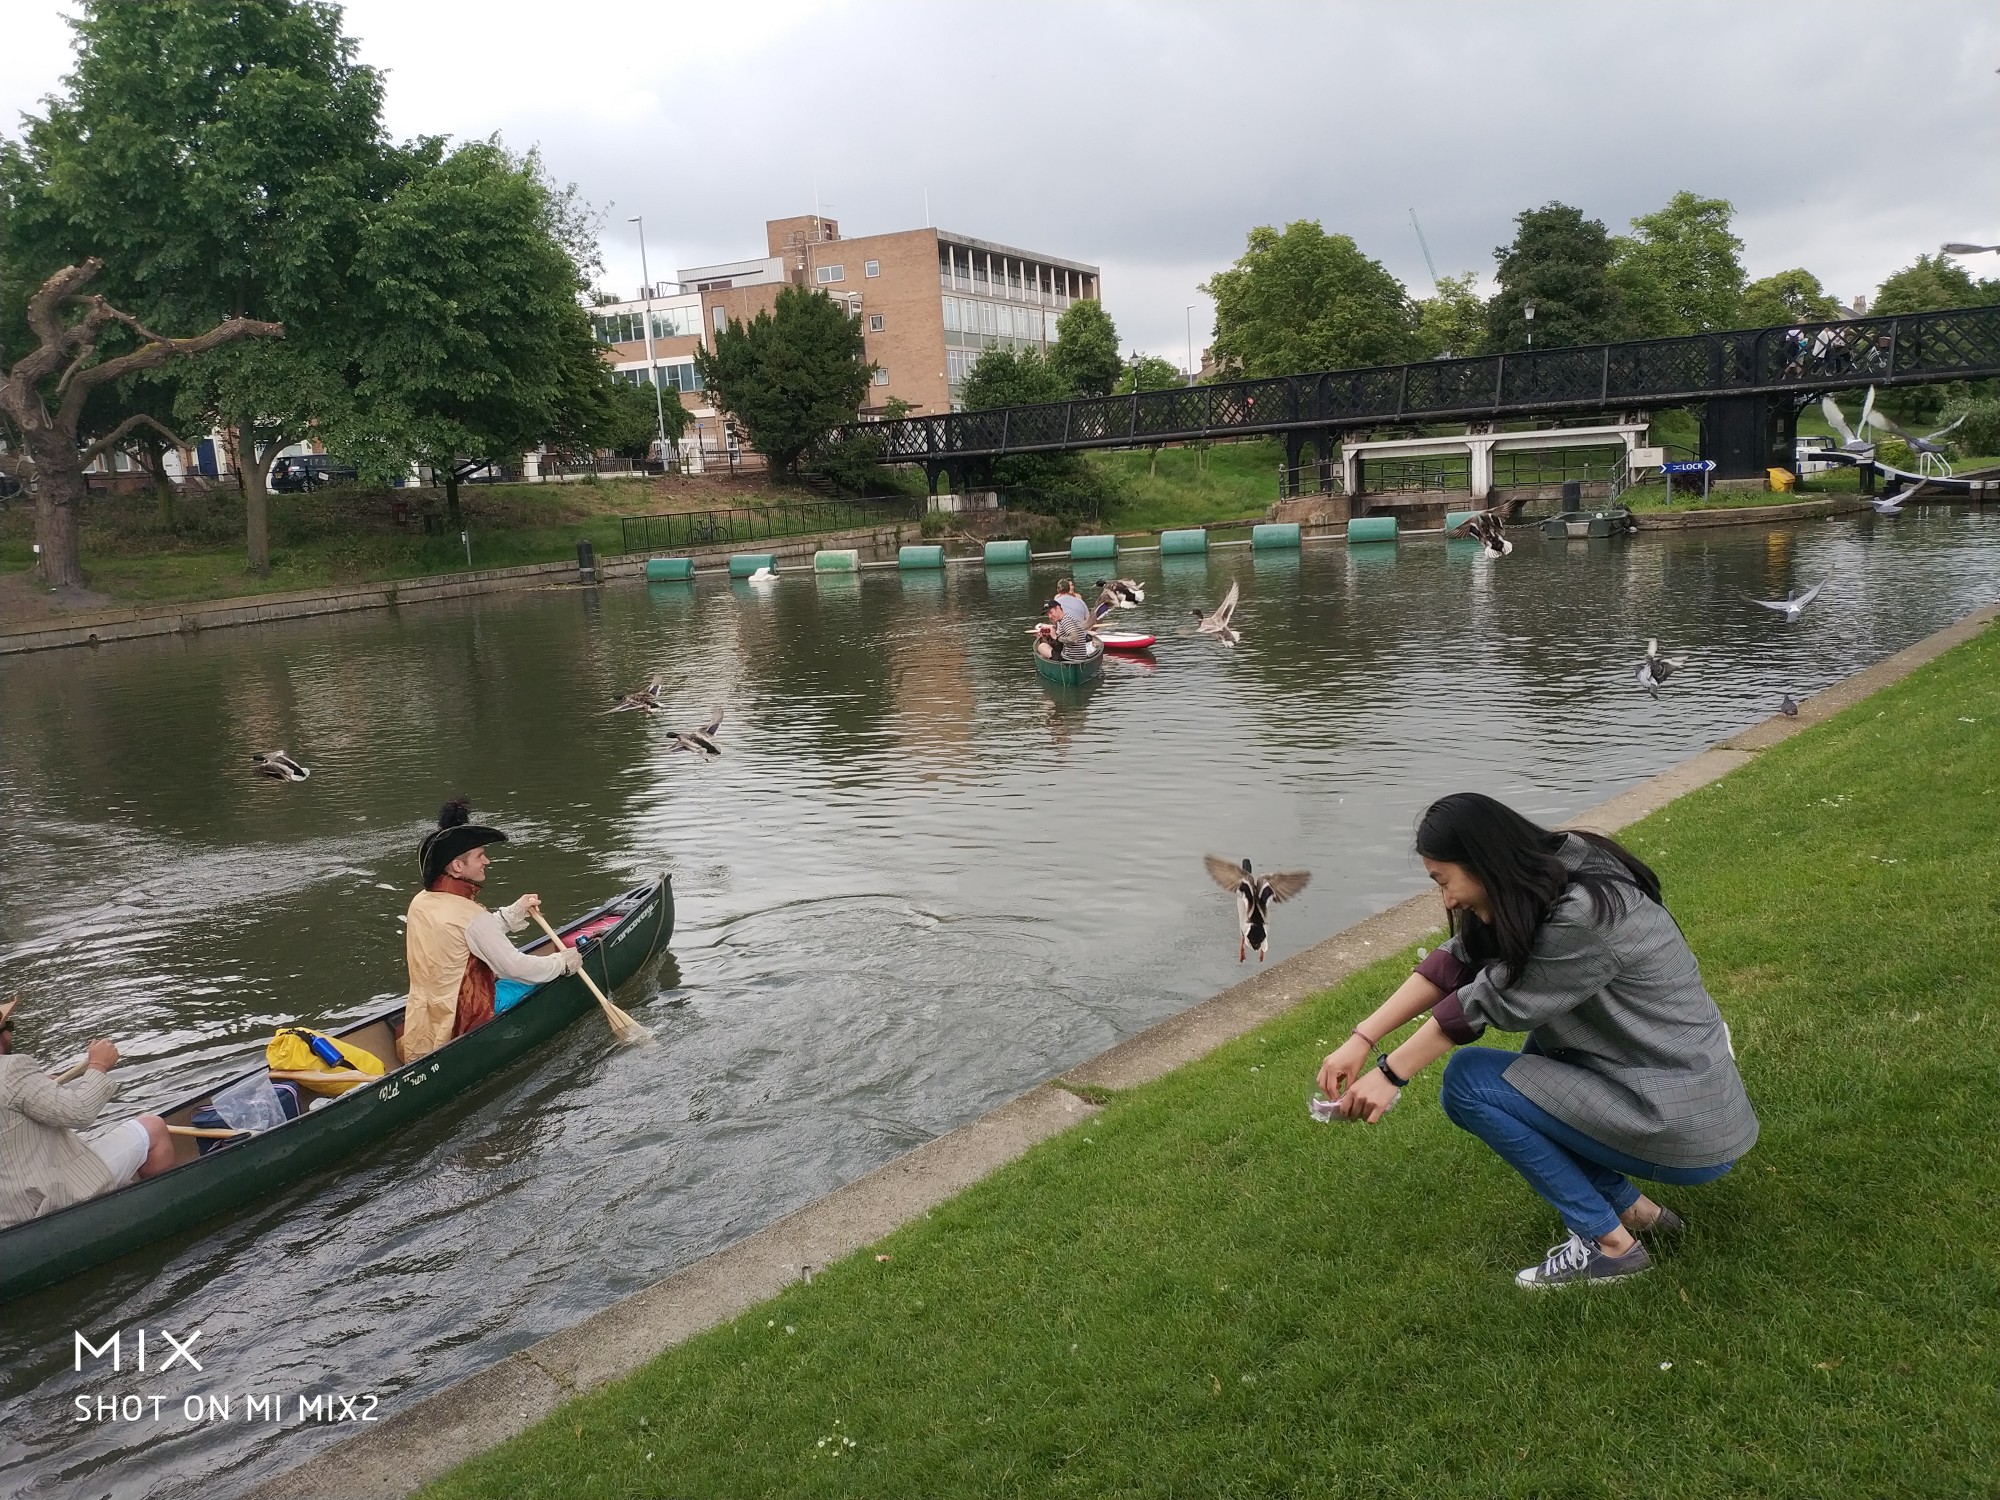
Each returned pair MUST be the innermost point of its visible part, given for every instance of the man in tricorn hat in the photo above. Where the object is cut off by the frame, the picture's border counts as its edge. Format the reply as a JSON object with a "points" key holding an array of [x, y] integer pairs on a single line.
{"points": [[457, 948]]}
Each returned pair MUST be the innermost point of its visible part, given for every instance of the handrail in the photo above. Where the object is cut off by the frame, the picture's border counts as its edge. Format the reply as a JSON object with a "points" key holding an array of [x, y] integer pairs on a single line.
{"points": [[667, 531]]}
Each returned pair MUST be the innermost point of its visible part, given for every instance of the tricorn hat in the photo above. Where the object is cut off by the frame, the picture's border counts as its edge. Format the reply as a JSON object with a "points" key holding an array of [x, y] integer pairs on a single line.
{"points": [[455, 834]]}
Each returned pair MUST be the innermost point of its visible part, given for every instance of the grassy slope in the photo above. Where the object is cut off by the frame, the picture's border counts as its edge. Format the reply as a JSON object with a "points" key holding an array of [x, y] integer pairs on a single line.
{"points": [[1200, 1292], [1234, 481]]}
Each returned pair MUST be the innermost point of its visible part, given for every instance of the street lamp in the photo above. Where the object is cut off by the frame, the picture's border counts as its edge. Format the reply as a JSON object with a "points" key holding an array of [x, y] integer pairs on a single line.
{"points": [[1528, 312], [652, 364], [1135, 374], [1958, 247], [1190, 342]]}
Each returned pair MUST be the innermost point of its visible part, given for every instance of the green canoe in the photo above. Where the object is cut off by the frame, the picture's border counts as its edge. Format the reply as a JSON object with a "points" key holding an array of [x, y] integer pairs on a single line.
{"points": [[622, 935], [1072, 673]]}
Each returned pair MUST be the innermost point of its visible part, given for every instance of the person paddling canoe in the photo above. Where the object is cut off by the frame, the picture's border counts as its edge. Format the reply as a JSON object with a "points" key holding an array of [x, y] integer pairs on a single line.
{"points": [[457, 949]]}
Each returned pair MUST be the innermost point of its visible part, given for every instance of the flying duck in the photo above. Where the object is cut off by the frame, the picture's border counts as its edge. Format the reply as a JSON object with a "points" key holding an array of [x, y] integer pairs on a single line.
{"points": [[702, 739], [1655, 669], [1122, 592], [279, 766], [645, 700], [1254, 895], [1486, 528], [1217, 624]]}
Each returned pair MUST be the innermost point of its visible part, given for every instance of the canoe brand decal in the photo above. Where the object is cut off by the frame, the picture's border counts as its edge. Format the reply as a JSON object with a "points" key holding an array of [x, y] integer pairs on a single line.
{"points": [[395, 1086], [156, 1351]]}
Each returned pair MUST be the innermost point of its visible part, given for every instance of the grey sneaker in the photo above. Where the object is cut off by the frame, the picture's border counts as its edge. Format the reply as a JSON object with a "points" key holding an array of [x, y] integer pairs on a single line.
{"points": [[1668, 1226], [1576, 1259]]}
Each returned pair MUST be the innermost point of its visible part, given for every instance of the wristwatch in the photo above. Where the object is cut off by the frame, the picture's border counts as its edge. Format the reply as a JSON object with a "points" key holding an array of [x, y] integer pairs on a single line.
{"points": [[1382, 1067]]}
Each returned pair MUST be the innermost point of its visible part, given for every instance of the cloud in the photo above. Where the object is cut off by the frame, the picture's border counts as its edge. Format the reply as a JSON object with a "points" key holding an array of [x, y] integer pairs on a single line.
{"points": [[1148, 138]]}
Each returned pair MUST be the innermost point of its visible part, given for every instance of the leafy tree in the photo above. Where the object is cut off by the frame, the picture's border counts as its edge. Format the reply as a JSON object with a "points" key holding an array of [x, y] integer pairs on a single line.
{"points": [[1452, 324], [1308, 300], [791, 375], [1011, 377], [1559, 261], [1793, 296], [1682, 270], [631, 422], [43, 395], [1085, 357], [1155, 374], [219, 158], [1933, 284], [474, 346]]}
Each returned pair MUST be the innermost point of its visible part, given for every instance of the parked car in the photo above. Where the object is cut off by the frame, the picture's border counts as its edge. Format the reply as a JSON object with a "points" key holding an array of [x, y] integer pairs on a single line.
{"points": [[308, 472]]}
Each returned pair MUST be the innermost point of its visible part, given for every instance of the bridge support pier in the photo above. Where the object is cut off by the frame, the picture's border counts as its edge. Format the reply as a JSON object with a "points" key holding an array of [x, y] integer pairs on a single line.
{"points": [[1323, 444], [1288, 485], [1746, 435]]}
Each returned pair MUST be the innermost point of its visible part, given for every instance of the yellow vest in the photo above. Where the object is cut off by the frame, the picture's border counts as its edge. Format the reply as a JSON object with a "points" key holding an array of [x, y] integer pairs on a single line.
{"points": [[437, 951]]}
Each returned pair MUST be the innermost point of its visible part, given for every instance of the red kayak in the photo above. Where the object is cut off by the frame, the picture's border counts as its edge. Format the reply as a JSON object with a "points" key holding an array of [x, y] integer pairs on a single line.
{"points": [[1125, 640]]}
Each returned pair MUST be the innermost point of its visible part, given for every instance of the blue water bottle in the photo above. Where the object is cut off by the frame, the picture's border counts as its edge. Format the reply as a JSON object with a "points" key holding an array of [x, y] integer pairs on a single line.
{"points": [[326, 1052]]}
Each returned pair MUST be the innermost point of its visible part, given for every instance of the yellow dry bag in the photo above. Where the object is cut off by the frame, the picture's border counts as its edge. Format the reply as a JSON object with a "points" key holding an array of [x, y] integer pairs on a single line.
{"points": [[300, 1049]]}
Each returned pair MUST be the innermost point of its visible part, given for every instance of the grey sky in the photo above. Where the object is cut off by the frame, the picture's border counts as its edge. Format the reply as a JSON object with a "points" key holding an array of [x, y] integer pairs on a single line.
{"points": [[1149, 137]]}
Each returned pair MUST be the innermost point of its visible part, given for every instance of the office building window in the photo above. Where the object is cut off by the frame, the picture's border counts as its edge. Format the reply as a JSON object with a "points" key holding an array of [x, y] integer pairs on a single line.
{"points": [[875, 323], [871, 268], [1049, 327], [619, 328], [721, 319], [958, 363], [881, 377], [830, 274], [676, 322]]}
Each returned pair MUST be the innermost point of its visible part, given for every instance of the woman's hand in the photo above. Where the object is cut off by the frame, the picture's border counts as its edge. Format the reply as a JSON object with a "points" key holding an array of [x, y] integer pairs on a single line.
{"points": [[1369, 1097], [1343, 1065]]}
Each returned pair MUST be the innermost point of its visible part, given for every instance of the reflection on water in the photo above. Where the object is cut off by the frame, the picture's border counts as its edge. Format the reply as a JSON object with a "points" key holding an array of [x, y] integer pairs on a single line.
{"points": [[918, 882]]}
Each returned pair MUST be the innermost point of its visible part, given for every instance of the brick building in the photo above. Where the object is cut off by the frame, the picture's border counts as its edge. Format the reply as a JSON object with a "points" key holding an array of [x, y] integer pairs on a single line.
{"points": [[931, 303]]}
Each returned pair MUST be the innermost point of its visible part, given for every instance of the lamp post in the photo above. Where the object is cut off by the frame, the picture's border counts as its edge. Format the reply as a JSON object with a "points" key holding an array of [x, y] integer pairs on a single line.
{"points": [[652, 364], [1528, 312], [1190, 342]]}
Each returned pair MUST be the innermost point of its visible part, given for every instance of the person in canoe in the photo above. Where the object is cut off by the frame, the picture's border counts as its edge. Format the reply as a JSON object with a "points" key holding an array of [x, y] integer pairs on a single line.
{"points": [[1071, 602], [1065, 637], [44, 1164], [457, 948]]}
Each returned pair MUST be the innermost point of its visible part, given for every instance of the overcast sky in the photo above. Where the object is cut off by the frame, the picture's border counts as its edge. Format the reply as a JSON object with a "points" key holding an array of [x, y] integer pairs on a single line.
{"points": [[1147, 138]]}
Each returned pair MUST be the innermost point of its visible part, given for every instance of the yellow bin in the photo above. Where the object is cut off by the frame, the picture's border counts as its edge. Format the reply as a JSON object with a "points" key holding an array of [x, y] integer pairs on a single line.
{"points": [[1782, 480]]}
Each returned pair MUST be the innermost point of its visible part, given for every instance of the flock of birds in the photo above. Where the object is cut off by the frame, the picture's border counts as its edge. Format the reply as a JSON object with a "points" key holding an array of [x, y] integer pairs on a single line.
{"points": [[699, 740]]}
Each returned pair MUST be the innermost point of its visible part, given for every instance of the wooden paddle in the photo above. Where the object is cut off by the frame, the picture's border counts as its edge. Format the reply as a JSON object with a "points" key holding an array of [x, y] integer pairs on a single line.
{"points": [[356, 1078], [207, 1133], [74, 1072], [623, 1027]]}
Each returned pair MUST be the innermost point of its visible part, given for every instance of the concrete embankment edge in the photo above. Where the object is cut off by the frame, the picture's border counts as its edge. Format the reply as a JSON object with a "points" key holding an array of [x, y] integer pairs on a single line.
{"points": [[466, 1419]]}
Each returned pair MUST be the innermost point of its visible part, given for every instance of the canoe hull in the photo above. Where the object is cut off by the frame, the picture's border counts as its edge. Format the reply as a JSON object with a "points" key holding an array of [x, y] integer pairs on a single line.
{"points": [[56, 1246], [1071, 673]]}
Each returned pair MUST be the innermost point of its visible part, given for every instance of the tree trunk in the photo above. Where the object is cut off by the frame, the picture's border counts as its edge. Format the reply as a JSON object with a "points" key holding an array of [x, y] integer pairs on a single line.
{"points": [[59, 489], [454, 517], [256, 502], [163, 487]]}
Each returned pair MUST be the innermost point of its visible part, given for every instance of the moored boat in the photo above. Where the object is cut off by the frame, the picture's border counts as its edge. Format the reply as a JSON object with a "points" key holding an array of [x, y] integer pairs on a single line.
{"points": [[618, 938], [1126, 640], [1072, 671]]}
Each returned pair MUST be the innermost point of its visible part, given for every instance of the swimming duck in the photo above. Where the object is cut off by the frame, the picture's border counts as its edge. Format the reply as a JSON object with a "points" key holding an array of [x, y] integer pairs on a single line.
{"points": [[702, 739], [1792, 605], [764, 577], [1656, 669], [279, 766], [1123, 592], [1254, 895], [645, 700], [1217, 624]]}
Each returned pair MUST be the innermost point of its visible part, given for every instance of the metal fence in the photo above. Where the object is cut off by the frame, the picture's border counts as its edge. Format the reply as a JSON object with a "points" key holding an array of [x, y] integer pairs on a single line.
{"points": [[681, 530]]}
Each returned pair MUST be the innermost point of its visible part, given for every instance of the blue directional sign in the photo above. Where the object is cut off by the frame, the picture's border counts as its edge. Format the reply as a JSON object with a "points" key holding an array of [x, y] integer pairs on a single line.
{"points": [[1689, 466]]}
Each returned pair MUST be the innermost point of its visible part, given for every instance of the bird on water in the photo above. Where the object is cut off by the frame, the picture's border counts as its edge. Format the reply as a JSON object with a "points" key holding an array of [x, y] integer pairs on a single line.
{"points": [[1254, 895], [1217, 624], [1122, 593], [279, 766], [1655, 669]]}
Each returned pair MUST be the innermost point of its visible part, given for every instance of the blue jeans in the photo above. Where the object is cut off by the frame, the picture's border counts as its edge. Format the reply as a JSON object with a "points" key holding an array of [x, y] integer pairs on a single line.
{"points": [[1585, 1181]]}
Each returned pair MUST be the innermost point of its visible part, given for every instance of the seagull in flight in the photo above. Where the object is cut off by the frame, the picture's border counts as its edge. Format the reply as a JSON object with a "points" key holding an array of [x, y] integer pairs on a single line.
{"points": [[1655, 669], [1217, 624], [1854, 440], [701, 740], [1792, 605], [1254, 895], [1930, 457], [646, 700]]}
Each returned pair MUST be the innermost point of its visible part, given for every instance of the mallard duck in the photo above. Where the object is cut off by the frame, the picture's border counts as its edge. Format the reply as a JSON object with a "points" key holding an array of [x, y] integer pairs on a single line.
{"points": [[1655, 669], [1217, 624], [1486, 528], [1254, 895], [1792, 605], [702, 739], [646, 700], [279, 766], [1122, 592]]}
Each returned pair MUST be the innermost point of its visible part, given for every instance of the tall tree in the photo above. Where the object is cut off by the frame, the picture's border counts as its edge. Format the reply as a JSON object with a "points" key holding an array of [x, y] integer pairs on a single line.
{"points": [[1452, 323], [43, 395], [474, 347], [1085, 356], [1932, 284], [1681, 270], [1304, 300], [1793, 296], [790, 375], [220, 158], [1153, 374], [1012, 377], [1559, 262]]}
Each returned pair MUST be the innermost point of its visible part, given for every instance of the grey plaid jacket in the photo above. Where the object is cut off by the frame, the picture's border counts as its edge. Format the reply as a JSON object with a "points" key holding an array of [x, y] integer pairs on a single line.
{"points": [[1627, 1046]]}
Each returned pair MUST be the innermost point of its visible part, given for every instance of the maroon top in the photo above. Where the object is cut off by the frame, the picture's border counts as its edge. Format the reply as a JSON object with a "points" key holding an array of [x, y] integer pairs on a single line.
{"points": [[1445, 970]]}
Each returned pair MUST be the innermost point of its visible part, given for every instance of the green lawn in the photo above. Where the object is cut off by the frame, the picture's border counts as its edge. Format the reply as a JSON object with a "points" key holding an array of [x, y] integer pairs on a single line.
{"points": [[1193, 487], [1200, 1292]]}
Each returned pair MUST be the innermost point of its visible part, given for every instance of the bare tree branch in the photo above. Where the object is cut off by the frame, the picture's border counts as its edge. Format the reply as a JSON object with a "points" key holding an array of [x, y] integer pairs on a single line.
{"points": [[113, 438], [154, 355]]}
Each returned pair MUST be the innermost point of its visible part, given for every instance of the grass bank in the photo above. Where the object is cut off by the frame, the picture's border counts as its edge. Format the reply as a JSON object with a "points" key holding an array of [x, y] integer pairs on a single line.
{"points": [[1200, 1292], [1192, 486]]}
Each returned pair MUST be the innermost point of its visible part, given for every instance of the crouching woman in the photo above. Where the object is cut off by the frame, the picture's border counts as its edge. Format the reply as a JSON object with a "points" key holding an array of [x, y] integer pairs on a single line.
{"points": [[1627, 1069]]}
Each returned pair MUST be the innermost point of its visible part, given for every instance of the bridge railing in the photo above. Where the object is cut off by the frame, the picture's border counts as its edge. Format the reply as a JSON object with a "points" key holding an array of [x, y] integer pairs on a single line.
{"points": [[1962, 343]]}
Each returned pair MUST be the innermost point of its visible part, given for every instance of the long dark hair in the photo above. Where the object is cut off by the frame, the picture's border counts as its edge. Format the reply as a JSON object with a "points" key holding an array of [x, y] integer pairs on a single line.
{"points": [[1516, 861]]}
